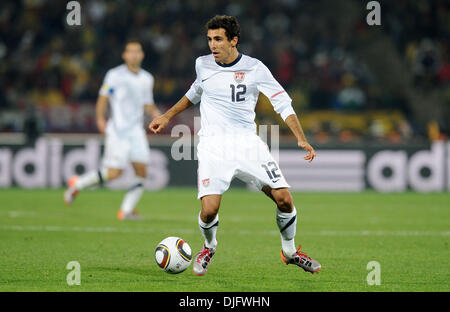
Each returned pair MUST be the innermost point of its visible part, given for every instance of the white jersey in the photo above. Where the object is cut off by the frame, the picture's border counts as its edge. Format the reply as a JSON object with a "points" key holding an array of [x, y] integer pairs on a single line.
{"points": [[128, 93], [229, 92]]}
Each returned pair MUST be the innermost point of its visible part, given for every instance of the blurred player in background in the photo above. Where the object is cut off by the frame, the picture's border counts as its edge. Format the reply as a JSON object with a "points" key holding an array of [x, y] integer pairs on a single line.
{"points": [[228, 84], [129, 90]]}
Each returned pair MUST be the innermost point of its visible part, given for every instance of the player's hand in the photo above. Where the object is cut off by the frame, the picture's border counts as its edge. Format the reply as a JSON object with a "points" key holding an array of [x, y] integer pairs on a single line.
{"points": [[101, 125], [309, 149], [158, 124]]}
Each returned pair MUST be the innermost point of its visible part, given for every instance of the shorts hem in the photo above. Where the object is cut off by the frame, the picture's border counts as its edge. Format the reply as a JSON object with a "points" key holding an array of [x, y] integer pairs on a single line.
{"points": [[261, 185], [200, 195]]}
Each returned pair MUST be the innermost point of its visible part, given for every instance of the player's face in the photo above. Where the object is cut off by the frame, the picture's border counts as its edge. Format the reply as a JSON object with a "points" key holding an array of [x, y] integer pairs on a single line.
{"points": [[133, 54], [221, 48]]}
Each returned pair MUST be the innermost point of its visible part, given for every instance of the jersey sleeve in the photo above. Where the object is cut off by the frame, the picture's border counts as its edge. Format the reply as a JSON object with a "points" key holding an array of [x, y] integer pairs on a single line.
{"points": [[107, 88], [148, 92], [194, 93], [277, 96]]}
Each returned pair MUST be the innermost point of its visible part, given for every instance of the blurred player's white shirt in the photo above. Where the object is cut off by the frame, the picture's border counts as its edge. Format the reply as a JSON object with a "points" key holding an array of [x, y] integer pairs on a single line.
{"points": [[229, 93], [128, 92]]}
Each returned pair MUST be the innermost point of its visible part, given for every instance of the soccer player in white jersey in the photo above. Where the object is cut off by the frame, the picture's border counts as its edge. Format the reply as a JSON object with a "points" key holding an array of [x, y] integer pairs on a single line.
{"points": [[129, 90], [227, 86]]}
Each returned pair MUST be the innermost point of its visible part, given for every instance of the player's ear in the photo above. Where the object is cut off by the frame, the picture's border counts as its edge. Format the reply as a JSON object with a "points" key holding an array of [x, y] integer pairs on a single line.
{"points": [[234, 42]]}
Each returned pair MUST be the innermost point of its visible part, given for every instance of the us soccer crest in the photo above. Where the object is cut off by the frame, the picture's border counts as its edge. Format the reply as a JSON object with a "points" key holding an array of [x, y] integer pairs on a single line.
{"points": [[239, 77], [205, 182]]}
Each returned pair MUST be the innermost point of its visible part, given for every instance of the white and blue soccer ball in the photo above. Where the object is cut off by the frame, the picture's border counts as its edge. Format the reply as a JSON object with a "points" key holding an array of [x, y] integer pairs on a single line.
{"points": [[173, 255]]}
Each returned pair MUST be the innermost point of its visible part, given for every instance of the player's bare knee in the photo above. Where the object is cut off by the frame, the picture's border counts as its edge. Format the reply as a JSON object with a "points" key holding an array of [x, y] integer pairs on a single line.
{"points": [[140, 169], [210, 207], [284, 201], [208, 214], [142, 174], [114, 174]]}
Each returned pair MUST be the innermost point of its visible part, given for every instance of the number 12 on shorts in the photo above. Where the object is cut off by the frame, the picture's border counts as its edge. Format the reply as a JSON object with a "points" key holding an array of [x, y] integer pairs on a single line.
{"points": [[271, 170]]}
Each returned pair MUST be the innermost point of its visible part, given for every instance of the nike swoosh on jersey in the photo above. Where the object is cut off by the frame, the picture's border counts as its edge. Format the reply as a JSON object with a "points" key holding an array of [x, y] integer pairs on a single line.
{"points": [[211, 76]]}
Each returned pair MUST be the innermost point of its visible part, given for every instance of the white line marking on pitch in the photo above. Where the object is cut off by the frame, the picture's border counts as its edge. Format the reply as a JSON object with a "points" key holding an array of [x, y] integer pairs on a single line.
{"points": [[56, 228], [20, 214]]}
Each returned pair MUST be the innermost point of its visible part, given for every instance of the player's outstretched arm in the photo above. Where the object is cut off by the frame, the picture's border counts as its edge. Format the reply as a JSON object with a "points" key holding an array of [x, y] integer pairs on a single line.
{"points": [[161, 122], [294, 124], [100, 109]]}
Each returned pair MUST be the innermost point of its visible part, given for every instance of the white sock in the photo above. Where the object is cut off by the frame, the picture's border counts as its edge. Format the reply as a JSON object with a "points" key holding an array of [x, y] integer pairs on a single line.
{"points": [[133, 195], [287, 223], [92, 178], [209, 231]]}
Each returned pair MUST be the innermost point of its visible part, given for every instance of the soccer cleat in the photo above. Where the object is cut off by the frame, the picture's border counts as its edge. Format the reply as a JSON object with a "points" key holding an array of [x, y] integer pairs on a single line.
{"points": [[71, 192], [128, 216], [302, 260], [202, 260]]}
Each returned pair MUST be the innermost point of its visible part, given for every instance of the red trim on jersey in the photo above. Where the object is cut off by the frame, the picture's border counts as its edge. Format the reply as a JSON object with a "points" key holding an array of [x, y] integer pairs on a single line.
{"points": [[277, 94]]}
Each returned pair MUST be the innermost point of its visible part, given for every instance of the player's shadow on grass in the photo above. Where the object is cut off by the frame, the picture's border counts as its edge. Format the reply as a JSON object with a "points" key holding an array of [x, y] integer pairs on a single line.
{"points": [[140, 271], [115, 269]]}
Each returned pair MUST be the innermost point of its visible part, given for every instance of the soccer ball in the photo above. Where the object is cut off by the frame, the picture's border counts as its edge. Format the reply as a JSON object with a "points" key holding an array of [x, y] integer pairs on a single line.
{"points": [[173, 255]]}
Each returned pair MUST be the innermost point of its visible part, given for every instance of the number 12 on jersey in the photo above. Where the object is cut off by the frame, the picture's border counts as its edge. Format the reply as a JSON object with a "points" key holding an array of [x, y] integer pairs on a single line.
{"points": [[239, 95]]}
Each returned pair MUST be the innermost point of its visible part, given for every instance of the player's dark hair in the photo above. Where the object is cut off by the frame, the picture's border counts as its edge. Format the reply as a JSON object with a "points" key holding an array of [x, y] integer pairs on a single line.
{"points": [[229, 23], [132, 40]]}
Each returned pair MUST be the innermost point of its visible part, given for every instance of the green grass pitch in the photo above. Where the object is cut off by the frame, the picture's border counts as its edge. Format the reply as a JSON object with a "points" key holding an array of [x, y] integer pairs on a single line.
{"points": [[407, 233]]}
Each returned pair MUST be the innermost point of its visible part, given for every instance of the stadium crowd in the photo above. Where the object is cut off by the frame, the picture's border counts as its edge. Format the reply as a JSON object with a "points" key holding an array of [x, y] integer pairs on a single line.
{"points": [[46, 63]]}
